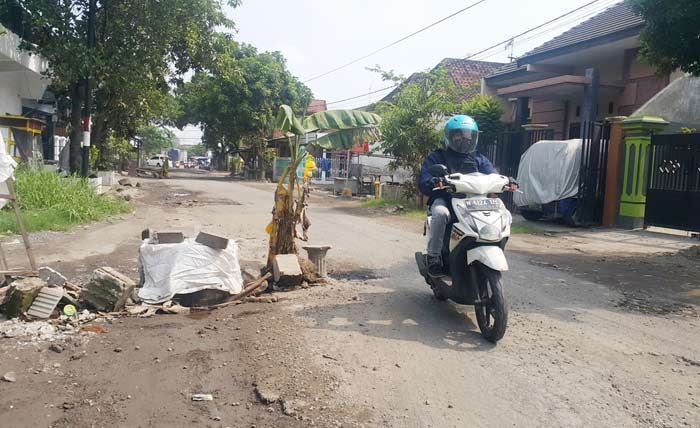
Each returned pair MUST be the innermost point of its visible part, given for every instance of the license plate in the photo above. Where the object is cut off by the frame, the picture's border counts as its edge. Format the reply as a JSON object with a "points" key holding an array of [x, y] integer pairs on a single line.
{"points": [[483, 204]]}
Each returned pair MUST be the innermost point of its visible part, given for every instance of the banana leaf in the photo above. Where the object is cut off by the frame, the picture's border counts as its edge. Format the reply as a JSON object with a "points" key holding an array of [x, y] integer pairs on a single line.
{"points": [[346, 139], [340, 119], [288, 123]]}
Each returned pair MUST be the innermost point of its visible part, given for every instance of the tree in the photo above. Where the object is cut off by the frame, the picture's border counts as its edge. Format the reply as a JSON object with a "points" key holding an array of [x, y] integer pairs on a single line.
{"points": [[411, 125], [196, 150], [346, 127], [236, 100], [155, 139], [141, 48], [671, 34]]}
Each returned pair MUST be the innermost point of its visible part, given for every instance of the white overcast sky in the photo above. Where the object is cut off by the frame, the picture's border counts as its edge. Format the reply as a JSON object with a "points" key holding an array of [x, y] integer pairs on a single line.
{"points": [[318, 35]]}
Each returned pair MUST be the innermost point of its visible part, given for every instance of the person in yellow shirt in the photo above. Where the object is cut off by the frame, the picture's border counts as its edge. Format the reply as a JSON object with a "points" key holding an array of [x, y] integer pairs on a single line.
{"points": [[309, 168]]}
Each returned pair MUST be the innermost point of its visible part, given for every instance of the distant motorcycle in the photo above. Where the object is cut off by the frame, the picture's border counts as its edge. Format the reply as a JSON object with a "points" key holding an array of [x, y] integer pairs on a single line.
{"points": [[473, 253]]}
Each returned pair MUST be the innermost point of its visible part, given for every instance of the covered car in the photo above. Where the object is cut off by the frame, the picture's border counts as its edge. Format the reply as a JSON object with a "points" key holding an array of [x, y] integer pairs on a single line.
{"points": [[548, 176]]}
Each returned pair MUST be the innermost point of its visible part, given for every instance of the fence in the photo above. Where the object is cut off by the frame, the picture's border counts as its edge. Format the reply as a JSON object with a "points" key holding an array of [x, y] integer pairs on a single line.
{"points": [[505, 149], [673, 192], [595, 138]]}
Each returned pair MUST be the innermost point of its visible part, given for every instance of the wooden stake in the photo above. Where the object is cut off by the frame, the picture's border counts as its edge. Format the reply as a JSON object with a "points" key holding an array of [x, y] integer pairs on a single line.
{"points": [[247, 291], [20, 224]]}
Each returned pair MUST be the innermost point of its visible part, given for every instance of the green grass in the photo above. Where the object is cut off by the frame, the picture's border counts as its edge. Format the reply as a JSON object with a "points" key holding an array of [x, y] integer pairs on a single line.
{"points": [[410, 211], [524, 229], [51, 202]]}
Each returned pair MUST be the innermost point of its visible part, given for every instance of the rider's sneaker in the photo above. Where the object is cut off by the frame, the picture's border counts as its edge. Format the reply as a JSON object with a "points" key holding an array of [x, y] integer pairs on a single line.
{"points": [[435, 268]]}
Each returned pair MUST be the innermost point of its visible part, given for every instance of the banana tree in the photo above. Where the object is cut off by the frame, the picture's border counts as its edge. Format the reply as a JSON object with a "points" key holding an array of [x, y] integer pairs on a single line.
{"points": [[343, 129]]}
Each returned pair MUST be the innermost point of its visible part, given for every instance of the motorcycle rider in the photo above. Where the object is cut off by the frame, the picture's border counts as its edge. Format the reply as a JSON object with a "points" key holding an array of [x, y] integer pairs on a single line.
{"points": [[459, 156]]}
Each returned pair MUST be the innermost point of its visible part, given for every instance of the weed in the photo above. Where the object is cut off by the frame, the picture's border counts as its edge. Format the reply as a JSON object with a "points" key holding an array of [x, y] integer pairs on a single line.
{"points": [[51, 202]]}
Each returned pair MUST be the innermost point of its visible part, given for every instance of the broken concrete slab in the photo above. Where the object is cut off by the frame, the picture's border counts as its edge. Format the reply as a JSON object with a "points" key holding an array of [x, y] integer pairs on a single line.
{"points": [[107, 290], [286, 270], [125, 182], [22, 294], [52, 277], [170, 237], [212, 241], [45, 302]]}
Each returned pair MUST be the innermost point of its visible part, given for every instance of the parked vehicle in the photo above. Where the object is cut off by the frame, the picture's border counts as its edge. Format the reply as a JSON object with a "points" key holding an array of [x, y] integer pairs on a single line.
{"points": [[548, 175], [473, 253], [156, 161]]}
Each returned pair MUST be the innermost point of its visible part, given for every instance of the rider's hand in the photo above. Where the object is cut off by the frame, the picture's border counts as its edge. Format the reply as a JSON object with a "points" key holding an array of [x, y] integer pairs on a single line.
{"points": [[512, 185], [438, 182]]}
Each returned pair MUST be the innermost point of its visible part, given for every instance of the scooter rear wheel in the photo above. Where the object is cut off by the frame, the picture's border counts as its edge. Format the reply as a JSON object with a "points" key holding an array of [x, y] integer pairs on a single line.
{"points": [[492, 312]]}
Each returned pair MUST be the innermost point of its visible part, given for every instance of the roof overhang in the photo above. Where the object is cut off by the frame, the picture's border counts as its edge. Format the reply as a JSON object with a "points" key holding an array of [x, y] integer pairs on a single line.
{"points": [[577, 47], [564, 86]]}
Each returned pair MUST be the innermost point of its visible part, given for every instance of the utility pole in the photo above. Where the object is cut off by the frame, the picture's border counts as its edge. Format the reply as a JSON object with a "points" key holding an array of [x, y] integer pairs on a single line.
{"points": [[87, 120]]}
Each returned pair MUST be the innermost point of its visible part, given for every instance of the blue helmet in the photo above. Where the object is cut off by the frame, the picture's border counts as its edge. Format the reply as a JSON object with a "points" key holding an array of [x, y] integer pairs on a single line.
{"points": [[461, 134]]}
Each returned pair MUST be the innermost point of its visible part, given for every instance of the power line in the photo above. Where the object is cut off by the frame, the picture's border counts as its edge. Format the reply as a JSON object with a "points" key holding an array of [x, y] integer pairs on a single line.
{"points": [[363, 95], [396, 42], [576, 19], [571, 12], [532, 29]]}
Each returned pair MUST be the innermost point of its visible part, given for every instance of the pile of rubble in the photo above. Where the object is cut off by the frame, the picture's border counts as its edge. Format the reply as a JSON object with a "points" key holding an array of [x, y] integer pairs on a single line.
{"points": [[172, 281]]}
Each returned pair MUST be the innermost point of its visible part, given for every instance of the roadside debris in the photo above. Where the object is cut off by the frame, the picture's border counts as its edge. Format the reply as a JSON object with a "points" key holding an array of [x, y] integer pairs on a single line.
{"points": [[185, 268], [9, 377], [52, 278], [212, 241], [107, 290], [21, 295], [287, 271], [266, 396], [45, 302], [202, 397]]}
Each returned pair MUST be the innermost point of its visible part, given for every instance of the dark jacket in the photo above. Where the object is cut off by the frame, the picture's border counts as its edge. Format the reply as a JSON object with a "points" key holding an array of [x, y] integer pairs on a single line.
{"points": [[455, 163]]}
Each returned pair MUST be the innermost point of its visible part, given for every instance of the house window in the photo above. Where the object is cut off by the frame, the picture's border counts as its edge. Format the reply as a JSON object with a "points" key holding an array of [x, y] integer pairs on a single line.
{"points": [[611, 107], [578, 111]]}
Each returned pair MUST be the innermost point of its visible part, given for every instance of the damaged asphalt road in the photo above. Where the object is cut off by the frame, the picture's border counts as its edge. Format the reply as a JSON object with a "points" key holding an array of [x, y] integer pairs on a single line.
{"points": [[373, 348]]}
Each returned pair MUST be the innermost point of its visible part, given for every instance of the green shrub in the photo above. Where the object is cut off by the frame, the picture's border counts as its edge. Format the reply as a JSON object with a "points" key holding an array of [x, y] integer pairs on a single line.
{"points": [[51, 202]]}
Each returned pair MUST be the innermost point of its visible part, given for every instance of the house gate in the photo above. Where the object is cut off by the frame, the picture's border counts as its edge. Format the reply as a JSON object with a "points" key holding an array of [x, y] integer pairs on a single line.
{"points": [[595, 138], [673, 191]]}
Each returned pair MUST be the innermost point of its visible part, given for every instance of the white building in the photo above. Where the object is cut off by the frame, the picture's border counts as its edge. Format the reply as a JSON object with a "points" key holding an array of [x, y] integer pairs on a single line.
{"points": [[23, 111]]}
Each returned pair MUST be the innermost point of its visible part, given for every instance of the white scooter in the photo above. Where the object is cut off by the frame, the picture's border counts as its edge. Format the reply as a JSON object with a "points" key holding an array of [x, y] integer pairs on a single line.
{"points": [[473, 253]]}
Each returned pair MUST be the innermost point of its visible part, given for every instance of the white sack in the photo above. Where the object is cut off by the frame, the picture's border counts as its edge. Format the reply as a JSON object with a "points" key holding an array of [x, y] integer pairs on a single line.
{"points": [[7, 170], [187, 267], [549, 171]]}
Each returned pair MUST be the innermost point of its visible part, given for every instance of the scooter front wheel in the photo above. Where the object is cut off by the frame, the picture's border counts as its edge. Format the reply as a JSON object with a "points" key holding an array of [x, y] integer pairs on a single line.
{"points": [[492, 311]]}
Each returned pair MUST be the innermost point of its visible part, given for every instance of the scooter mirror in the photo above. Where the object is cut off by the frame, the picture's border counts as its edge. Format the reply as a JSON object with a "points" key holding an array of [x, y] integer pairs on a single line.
{"points": [[438, 170]]}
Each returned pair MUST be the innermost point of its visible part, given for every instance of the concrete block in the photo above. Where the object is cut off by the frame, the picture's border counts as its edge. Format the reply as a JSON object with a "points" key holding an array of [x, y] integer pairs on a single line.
{"points": [[45, 303], [22, 295], [286, 270], [107, 290], [212, 241], [170, 237], [96, 185], [52, 277], [109, 178], [125, 182]]}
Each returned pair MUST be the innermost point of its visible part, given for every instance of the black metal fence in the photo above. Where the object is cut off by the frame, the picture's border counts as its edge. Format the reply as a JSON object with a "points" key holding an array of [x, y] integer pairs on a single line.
{"points": [[673, 193], [595, 138], [505, 149]]}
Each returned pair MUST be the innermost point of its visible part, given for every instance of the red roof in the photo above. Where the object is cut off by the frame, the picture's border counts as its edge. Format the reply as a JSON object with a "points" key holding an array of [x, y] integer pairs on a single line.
{"points": [[316, 106], [468, 74], [465, 73]]}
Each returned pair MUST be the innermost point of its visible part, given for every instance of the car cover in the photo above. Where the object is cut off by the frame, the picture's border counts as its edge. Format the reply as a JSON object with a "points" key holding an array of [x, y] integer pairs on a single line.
{"points": [[187, 267], [549, 171]]}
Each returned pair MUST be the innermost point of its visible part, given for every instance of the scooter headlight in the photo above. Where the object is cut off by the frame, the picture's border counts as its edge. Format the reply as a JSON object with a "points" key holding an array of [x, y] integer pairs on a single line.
{"points": [[490, 233]]}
